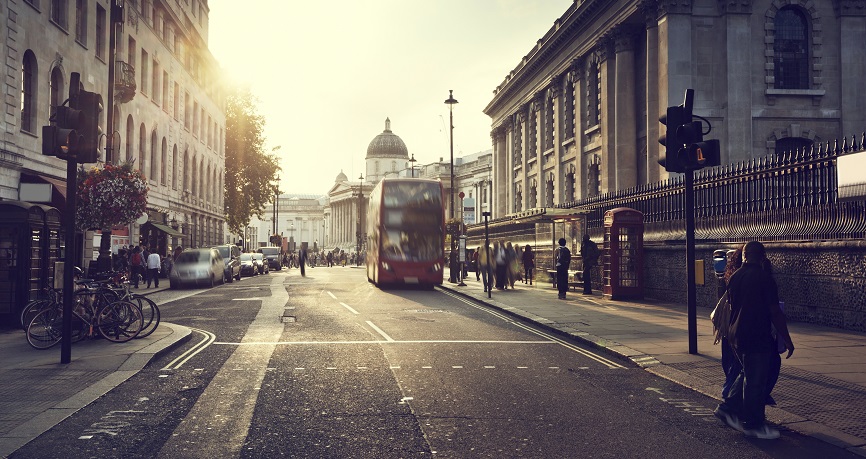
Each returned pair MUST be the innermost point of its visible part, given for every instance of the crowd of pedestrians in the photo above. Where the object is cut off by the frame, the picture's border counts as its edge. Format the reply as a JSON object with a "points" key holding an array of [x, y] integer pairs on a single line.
{"points": [[501, 265], [142, 266]]}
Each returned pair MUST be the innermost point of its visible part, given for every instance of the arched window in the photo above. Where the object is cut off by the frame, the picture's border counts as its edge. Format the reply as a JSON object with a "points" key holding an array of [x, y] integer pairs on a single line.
{"points": [[163, 173], [174, 168], [28, 92], [192, 179], [185, 172], [787, 144], [55, 96], [791, 49], [154, 170], [142, 149], [115, 147], [130, 129]]}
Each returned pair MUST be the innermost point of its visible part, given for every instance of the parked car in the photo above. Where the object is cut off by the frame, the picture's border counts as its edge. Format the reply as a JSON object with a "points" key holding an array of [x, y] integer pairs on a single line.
{"points": [[272, 254], [197, 267], [232, 258], [264, 266], [249, 267]]}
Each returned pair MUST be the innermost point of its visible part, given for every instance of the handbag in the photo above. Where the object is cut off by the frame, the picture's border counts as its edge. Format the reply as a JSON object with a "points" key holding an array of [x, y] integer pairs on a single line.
{"points": [[721, 318]]}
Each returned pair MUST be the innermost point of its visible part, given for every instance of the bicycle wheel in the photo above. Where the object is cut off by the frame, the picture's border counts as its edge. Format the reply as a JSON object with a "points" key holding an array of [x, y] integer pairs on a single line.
{"points": [[31, 309], [149, 315], [46, 328], [119, 322]]}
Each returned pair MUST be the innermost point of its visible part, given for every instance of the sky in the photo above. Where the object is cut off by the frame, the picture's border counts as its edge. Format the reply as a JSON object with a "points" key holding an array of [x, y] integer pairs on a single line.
{"points": [[327, 73]]}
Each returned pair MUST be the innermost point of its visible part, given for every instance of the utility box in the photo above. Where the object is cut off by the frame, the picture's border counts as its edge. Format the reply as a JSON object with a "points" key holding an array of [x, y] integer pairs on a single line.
{"points": [[623, 253]]}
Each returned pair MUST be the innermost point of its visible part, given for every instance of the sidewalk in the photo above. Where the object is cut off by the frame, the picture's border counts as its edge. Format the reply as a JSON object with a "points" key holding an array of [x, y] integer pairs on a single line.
{"points": [[821, 391], [38, 392]]}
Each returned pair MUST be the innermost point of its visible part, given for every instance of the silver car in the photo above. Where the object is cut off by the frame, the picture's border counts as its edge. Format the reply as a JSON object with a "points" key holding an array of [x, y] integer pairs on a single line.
{"points": [[197, 267]]}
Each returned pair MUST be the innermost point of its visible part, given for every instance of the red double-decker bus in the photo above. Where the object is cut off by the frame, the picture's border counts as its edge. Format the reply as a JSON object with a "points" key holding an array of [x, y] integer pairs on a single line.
{"points": [[406, 232]]}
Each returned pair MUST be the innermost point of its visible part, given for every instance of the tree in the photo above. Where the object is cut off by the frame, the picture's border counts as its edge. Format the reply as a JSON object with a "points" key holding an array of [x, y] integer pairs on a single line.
{"points": [[250, 171]]}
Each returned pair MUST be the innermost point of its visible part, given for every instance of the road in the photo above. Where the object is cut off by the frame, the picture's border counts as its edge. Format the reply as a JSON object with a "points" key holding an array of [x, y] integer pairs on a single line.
{"points": [[328, 365]]}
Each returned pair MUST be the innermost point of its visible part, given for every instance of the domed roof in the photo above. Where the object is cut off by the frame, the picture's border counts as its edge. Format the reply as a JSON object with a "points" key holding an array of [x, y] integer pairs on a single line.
{"points": [[387, 145], [341, 177]]}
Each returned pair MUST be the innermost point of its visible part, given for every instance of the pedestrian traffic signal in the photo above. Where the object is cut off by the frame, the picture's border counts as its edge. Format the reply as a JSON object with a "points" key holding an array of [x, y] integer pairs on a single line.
{"points": [[673, 119], [91, 106], [63, 138], [703, 154]]}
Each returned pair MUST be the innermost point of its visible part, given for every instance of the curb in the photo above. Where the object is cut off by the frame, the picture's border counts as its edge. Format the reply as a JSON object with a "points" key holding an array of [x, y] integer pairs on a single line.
{"points": [[44, 421]]}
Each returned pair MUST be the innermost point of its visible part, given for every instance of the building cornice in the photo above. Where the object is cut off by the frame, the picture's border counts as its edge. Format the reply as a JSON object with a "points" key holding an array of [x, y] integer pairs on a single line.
{"points": [[561, 34]]}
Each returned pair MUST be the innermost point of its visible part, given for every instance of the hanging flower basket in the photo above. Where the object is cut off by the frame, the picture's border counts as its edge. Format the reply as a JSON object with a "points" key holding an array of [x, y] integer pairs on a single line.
{"points": [[114, 195]]}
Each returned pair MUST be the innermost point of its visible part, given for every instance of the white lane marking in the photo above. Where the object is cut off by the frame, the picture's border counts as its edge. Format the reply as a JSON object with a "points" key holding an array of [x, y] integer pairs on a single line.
{"points": [[437, 341], [598, 358], [456, 366], [332, 295], [350, 308], [219, 421], [379, 330], [208, 339], [489, 366]]}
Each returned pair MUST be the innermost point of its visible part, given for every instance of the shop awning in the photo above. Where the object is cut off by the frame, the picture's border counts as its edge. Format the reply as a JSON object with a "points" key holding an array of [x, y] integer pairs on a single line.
{"points": [[165, 229], [59, 185], [549, 215]]}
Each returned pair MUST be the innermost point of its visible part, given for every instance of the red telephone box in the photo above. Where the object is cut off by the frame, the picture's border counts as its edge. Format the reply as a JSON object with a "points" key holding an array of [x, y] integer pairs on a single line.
{"points": [[623, 253]]}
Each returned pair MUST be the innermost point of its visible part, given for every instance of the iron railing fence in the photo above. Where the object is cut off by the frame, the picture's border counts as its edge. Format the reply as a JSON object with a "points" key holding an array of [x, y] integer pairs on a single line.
{"points": [[787, 197]]}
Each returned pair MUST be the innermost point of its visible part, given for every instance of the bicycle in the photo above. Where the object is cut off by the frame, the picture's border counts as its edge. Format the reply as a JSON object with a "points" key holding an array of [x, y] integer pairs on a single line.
{"points": [[117, 283], [94, 313]]}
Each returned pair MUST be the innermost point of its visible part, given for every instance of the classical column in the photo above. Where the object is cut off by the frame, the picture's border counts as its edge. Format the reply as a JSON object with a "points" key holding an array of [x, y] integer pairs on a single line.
{"points": [[653, 109], [576, 77], [675, 53], [739, 52], [853, 65], [554, 95], [624, 111], [501, 151], [607, 116], [523, 121]]}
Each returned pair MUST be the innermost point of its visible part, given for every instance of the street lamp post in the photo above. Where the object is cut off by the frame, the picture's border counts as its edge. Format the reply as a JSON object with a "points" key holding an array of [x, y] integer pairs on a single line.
{"points": [[276, 202], [452, 258], [360, 221], [412, 160]]}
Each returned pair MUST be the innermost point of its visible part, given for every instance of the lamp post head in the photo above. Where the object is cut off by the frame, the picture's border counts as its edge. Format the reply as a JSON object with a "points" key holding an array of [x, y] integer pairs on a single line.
{"points": [[451, 100]]}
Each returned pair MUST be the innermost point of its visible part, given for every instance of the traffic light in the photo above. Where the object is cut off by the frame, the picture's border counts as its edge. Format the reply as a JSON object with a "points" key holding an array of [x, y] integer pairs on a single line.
{"points": [[63, 138], [91, 106], [673, 119]]}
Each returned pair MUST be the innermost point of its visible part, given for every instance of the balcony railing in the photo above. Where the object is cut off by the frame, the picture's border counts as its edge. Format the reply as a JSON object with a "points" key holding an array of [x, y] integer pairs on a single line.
{"points": [[124, 82]]}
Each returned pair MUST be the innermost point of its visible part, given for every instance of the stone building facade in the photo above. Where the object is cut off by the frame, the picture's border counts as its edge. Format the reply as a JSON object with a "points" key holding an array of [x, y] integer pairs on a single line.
{"points": [[578, 116], [300, 219], [168, 115]]}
